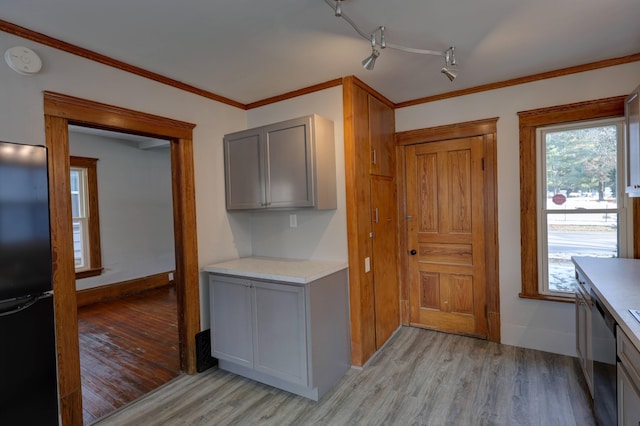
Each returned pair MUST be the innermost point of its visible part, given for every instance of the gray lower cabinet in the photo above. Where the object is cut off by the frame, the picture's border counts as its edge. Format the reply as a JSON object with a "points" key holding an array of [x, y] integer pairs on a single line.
{"points": [[291, 336], [628, 381], [583, 330]]}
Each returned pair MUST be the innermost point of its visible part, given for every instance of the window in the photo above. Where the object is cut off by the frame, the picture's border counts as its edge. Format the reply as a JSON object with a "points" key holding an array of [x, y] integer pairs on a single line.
{"points": [[580, 199], [84, 209], [530, 124]]}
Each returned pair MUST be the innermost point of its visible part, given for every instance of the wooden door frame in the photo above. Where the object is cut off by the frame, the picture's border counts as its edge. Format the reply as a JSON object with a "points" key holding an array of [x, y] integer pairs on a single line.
{"points": [[488, 130], [60, 111]]}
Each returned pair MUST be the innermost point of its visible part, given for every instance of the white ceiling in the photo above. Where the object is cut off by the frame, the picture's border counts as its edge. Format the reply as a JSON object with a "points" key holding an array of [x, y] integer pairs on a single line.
{"points": [[249, 50]]}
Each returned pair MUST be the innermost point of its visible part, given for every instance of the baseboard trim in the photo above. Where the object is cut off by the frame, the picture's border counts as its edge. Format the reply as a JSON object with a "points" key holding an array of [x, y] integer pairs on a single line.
{"points": [[124, 288]]}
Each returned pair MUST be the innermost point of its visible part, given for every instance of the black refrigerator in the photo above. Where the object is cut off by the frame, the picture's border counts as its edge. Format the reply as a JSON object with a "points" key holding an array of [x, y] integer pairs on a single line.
{"points": [[28, 375]]}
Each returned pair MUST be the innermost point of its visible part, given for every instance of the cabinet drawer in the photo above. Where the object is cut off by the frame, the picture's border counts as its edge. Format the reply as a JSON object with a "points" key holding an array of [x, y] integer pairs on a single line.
{"points": [[629, 355]]}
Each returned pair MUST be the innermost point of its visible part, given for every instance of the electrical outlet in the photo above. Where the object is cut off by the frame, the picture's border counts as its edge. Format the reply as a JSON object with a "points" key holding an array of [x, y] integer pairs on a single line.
{"points": [[367, 264], [293, 221]]}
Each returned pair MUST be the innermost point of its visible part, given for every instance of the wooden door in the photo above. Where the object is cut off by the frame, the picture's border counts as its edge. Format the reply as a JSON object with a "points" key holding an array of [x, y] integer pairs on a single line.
{"points": [[444, 184], [385, 265]]}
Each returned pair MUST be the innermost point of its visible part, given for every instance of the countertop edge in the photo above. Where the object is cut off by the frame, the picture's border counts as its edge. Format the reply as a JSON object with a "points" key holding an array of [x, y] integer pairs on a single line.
{"points": [[624, 318], [329, 267]]}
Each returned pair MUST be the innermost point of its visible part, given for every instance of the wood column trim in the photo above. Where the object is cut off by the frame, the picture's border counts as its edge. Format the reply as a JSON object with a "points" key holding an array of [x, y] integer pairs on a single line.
{"points": [[66, 316], [358, 224], [187, 276]]}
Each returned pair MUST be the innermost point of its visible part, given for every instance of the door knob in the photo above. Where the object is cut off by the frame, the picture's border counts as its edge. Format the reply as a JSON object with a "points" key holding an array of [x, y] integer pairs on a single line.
{"points": [[413, 252]]}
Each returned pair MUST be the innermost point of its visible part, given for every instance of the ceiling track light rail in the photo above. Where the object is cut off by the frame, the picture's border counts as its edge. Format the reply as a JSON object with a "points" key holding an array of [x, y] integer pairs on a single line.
{"points": [[369, 62]]}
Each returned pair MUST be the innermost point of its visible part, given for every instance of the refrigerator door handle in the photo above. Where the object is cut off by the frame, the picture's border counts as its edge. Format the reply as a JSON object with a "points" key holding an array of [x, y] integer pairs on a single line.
{"points": [[22, 305]]}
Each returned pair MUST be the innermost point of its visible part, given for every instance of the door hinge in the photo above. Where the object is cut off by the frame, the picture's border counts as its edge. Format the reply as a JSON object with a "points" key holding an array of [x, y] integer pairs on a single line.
{"points": [[483, 164]]}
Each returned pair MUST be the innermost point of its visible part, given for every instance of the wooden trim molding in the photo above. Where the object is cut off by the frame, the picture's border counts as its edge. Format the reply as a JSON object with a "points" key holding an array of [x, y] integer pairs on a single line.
{"points": [[124, 288], [450, 131], [60, 110], [37, 37], [487, 128], [94, 114], [370, 90], [295, 93], [522, 80], [529, 122], [28, 34]]}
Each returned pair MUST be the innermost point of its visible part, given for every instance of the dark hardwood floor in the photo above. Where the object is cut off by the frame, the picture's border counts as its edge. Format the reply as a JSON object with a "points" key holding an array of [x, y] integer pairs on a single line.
{"points": [[420, 378], [128, 347]]}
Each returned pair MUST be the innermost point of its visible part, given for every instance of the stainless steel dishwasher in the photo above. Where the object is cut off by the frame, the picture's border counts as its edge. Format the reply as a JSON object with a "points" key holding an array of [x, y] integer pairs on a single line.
{"points": [[603, 350]]}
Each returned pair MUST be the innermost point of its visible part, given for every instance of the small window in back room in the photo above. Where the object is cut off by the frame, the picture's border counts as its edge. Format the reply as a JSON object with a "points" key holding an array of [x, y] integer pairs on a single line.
{"points": [[84, 210], [581, 209]]}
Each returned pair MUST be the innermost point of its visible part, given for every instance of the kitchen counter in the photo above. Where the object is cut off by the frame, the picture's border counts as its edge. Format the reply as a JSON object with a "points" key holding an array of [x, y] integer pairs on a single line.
{"points": [[617, 284], [274, 269]]}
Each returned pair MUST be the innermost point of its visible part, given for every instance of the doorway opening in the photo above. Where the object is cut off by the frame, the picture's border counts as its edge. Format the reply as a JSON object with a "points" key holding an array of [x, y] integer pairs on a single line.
{"points": [[121, 202], [60, 112]]}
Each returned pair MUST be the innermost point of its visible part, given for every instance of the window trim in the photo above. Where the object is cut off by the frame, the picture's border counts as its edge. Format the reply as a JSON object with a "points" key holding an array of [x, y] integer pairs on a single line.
{"points": [[93, 216], [529, 122], [541, 186]]}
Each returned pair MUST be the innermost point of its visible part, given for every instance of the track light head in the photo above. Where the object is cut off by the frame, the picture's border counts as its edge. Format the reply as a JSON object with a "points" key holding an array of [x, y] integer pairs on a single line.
{"points": [[451, 74], [370, 61], [338, 8]]}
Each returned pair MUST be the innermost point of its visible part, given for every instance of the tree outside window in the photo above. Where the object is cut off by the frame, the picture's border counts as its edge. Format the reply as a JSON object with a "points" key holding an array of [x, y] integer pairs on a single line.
{"points": [[579, 209]]}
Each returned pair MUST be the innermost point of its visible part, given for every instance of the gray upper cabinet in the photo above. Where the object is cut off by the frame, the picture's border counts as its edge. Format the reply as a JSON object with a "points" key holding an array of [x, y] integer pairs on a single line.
{"points": [[632, 116], [290, 164]]}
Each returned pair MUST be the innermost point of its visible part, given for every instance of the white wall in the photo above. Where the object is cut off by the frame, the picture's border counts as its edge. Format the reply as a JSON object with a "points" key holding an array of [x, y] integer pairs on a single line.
{"points": [[136, 211], [320, 234], [22, 120], [548, 326]]}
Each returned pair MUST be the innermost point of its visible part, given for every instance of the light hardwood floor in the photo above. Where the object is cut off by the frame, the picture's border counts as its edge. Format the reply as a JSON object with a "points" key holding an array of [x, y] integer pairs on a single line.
{"points": [[420, 378]]}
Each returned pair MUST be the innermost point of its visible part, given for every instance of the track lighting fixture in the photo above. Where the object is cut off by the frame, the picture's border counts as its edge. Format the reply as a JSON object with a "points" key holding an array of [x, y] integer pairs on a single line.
{"points": [[370, 61], [451, 74], [338, 8], [449, 60]]}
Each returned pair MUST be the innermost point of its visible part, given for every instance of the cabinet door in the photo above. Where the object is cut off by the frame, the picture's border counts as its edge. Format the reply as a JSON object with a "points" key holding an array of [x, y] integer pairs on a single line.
{"points": [[290, 164], [231, 325], [280, 343], [632, 115], [385, 264], [628, 399], [244, 171], [381, 135], [583, 333]]}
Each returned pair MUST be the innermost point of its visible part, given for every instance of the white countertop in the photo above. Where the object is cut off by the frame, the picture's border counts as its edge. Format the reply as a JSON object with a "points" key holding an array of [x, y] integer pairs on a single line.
{"points": [[616, 282], [287, 270]]}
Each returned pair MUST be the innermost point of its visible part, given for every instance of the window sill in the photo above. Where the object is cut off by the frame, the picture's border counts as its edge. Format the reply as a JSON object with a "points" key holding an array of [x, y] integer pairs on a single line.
{"points": [[567, 299], [89, 273]]}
